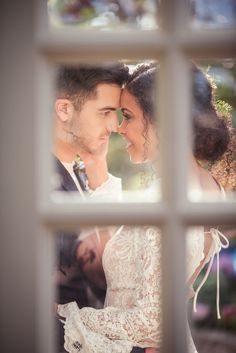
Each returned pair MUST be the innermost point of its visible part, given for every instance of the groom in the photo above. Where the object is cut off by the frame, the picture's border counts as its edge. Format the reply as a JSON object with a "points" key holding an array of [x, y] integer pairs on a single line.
{"points": [[87, 99]]}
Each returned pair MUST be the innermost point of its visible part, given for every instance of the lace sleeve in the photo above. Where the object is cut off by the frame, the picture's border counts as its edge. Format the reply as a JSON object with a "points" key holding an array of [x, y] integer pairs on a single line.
{"points": [[112, 329]]}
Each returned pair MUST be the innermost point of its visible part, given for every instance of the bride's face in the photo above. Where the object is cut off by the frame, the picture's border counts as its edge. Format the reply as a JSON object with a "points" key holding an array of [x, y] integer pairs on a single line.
{"points": [[138, 132]]}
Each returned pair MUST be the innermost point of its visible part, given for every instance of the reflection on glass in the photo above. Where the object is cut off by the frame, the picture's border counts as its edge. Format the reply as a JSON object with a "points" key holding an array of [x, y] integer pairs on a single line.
{"points": [[213, 171], [210, 333], [106, 14], [105, 136], [213, 13], [118, 271]]}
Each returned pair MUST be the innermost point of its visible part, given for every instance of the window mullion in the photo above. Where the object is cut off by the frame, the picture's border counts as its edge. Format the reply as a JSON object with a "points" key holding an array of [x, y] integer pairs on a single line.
{"points": [[174, 114]]}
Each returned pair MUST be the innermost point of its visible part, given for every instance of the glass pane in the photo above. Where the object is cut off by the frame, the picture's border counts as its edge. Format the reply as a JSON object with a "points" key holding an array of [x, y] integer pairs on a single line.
{"points": [[111, 269], [114, 276], [213, 170], [213, 13], [104, 14], [213, 327], [105, 139]]}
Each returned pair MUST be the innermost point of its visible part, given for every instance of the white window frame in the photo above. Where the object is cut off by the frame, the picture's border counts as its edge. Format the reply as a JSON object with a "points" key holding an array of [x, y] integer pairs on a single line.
{"points": [[172, 46]]}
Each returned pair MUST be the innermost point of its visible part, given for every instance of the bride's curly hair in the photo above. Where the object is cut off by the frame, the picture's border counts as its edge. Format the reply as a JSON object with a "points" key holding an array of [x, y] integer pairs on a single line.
{"points": [[213, 132], [213, 136]]}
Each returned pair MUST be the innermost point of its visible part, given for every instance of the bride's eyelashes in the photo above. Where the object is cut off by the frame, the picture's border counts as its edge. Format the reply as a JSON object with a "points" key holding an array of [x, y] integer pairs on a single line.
{"points": [[127, 116]]}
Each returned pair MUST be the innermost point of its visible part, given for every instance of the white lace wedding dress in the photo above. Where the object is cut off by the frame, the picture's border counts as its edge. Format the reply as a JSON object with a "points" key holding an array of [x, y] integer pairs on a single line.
{"points": [[132, 311]]}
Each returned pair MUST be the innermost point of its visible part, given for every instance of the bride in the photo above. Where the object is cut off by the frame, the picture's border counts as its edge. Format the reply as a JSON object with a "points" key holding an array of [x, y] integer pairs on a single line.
{"points": [[132, 257]]}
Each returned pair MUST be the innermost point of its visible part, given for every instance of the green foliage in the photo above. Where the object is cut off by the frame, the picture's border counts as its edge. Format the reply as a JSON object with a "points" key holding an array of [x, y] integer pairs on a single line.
{"points": [[104, 13], [224, 108], [133, 175]]}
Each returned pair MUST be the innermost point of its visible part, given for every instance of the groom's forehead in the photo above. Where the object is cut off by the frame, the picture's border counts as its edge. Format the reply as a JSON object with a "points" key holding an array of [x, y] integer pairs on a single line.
{"points": [[107, 95]]}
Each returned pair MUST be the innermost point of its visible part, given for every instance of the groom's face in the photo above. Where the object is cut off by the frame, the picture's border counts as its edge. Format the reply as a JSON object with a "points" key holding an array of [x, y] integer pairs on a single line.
{"points": [[97, 119]]}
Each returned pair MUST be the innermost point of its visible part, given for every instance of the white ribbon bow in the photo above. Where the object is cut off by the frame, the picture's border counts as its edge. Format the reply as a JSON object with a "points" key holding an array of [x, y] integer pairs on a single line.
{"points": [[217, 238]]}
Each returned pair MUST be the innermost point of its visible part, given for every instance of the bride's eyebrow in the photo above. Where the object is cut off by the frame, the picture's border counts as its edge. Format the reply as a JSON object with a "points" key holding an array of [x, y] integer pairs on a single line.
{"points": [[126, 110]]}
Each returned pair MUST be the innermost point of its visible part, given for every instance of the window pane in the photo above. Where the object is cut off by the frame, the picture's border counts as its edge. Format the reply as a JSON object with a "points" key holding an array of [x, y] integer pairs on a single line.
{"points": [[116, 270], [212, 334], [213, 13], [105, 138], [213, 171], [113, 14]]}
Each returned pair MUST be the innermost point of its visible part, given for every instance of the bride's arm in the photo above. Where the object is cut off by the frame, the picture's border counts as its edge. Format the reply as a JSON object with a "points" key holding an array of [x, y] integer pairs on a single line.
{"points": [[140, 325], [101, 183]]}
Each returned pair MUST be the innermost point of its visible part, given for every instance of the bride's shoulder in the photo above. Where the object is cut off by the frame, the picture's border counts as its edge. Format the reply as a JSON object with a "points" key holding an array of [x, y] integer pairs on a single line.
{"points": [[203, 186], [141, 232], [208, 182]]}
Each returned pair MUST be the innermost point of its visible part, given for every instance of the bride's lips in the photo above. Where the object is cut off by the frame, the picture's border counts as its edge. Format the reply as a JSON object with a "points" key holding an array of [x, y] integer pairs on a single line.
{"points": [[128, 144]]}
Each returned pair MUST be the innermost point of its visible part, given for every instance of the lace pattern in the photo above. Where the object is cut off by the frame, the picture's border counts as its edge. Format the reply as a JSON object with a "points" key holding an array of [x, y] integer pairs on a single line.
{"points": [[194, 249], [79, 338], [132, 313], [132, 266]]}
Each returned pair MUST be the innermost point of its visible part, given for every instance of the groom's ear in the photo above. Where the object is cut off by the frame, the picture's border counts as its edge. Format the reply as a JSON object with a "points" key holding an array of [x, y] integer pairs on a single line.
{"points": [[64, 109]]}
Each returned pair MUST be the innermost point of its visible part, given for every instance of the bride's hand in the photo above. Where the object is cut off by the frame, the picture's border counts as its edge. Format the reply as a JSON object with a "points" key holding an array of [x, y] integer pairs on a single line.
{"points": [[96, 156], [151, 350], [96, 167]]}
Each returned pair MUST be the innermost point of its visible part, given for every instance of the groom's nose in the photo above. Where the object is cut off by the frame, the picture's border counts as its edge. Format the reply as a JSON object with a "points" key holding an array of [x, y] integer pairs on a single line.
{"points": [[113, 123]]}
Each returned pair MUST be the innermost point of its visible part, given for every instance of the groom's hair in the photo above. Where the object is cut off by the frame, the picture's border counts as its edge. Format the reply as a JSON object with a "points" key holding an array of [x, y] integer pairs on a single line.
{"points": [[79, 83]]}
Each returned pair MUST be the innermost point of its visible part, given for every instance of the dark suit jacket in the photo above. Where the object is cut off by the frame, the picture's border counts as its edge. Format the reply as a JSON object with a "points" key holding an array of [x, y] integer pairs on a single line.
{"points": [[71, 281], [74, 284]]}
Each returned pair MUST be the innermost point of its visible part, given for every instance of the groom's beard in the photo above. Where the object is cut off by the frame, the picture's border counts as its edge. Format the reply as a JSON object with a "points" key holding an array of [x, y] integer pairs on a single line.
{"points": [[92, 146]]}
